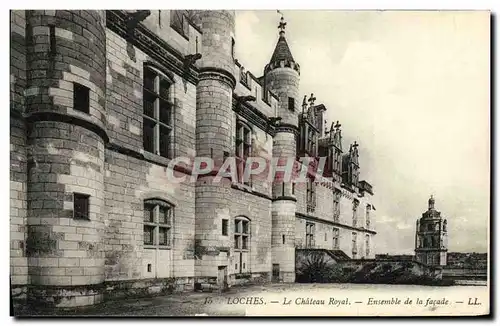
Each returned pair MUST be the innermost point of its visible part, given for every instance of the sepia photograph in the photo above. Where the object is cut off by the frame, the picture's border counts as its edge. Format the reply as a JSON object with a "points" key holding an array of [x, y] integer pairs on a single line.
{"points": [[194, 162]]}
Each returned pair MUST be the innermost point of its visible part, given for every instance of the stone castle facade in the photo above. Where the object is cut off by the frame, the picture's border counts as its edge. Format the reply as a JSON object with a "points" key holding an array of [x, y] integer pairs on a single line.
{"points": [[431, 237], [102, 101]]}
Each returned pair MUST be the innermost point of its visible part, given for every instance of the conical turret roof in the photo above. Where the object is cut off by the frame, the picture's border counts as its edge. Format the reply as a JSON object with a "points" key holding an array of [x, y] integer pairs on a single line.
{"points": [[282, 56], [282, 51]]}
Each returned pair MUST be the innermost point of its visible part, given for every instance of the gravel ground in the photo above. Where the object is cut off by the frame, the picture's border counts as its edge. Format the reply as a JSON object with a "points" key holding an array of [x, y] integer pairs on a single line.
{"points": [[340, 299]]}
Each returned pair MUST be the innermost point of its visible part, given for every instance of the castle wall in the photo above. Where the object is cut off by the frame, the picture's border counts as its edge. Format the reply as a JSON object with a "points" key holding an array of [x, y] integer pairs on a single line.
{"points": [[158, 22], [58, 151], [67, 155], [18, 155], [129, 180]]}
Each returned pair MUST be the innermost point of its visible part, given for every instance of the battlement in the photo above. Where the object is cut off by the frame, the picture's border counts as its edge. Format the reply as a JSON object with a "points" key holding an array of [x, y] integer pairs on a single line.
{"points": [[282, 64]]}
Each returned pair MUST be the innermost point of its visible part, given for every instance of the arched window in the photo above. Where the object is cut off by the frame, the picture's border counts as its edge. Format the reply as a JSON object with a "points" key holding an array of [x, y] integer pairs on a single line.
{"points": [[158, 216], [241, 244], [445, 226]]}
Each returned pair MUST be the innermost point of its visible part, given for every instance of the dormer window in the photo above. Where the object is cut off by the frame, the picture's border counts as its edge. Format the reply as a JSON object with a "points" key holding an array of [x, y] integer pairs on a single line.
{"points": [[307, 143], [179, 22]]}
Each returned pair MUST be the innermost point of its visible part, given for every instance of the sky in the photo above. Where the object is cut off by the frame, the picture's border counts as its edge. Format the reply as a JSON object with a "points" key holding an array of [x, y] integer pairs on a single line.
{"points": [[413, 89]]}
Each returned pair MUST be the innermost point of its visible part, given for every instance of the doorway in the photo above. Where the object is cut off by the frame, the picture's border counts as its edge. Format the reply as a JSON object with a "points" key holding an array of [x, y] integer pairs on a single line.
{"points": [[222, 278], [276, 272]]}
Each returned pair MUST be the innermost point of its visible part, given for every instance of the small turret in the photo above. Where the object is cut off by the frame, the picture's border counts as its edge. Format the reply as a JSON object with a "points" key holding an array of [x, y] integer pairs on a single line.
{"points": [[281, 76], [431, 202], [282, 56]]}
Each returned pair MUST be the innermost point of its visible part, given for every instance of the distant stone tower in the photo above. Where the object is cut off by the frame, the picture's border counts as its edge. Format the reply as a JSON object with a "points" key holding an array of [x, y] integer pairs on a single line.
{"points": [[431, 238], [214, 138], [66, 85], [282, 78]]}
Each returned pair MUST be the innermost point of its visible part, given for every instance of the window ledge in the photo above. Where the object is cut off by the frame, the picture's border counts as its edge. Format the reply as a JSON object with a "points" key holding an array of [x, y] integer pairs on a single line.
{"points": [[161, 247], [81, 219], [155, 158]]}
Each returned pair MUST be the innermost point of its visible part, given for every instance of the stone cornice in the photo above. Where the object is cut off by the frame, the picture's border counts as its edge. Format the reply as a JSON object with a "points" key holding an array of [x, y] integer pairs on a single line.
{"points": [[250, 191], [148, 157], [254, 116], [151, 44], [218, 74], [288, 198], [286, 127], [70, 119], [345, 226]]}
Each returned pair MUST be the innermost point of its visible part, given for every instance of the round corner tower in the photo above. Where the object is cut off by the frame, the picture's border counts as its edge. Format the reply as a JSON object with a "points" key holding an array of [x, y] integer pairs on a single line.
{"points": [[65, 112], [214, 139], [281, 76]]}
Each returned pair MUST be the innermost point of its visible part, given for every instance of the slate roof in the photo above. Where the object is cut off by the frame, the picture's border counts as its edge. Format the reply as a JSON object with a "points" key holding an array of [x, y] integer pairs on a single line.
{"points": [[282, 51]]}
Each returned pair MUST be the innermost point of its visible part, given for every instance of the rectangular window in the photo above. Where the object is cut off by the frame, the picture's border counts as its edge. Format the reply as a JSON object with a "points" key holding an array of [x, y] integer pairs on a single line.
{"points": [[158, 217], [232, 47], [368, 211], [81, 206], [311, 142], [293, 188], [310, 235], [157, 113], [367, 245], [336, 205], [311, 196], [336, 238], [52, 33], [291, 104], [337, 162], [149, 213], [81, 98], [244, 244], [149, 234], [165, 213], [241, 241], [224, 226], [354, 244], [355, 205], [243, 149], [164, 236]]}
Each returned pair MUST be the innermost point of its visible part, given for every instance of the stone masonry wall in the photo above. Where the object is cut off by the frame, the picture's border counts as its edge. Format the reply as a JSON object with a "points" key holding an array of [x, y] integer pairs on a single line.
{"points": [[130, 180], [284, 82], [64, 48], [18, 154]]}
